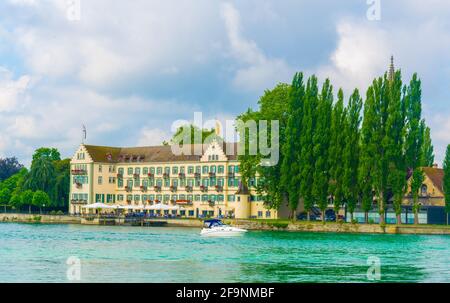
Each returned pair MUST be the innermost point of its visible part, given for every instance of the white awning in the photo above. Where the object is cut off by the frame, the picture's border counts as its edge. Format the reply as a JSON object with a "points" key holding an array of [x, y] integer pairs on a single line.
{"points": [[159, 206], [99, 206]]}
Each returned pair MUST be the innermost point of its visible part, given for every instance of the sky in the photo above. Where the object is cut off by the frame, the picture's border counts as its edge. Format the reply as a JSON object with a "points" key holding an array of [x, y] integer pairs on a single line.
{"points": [[129, 69]]}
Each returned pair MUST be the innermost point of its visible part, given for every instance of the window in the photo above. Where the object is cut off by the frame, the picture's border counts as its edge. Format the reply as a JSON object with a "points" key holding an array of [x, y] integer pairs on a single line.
{"points": [[174, 197], [120, 170], [166, 198], [137, 197], [236, 168], [182, 169], [212, 169], [112, 180], [190, 170], [100, 168], [129, 197], [204, 198], [152, 170], [231, 198], [137, 170], [100, 180], [205, 182], [144, 198], [260, 214], [145, 171], [130, 170], [191, 213], [174, 170], [159, 171], [198, 169], [424, 190], [197, 197], [220, 169], [111, 168], [119, 182], [167, 170], [145, 183], [175, 182], [220, 198], [220, 182], [205, 169], [268, 214], [151, 197], [130, 183], [166, 182], [137, 182], [119, 197]]}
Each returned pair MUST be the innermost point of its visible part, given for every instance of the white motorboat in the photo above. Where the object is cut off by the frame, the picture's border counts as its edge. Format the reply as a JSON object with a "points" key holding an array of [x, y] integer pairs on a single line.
{"points": [[216, 228]]}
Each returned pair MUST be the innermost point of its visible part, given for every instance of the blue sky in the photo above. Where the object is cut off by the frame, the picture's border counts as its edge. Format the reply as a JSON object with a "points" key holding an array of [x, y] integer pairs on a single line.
{"points": [[128, 69]]}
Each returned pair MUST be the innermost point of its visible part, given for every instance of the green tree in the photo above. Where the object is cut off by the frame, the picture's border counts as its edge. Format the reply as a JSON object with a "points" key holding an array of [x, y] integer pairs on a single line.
{"points": [[273, 105], [42, 175], [321, 142], [393, 143], [447, 180], [351, 151], [416, 183], [427, 152], [195, 135], [15, 200], [49, 153], [290, 167], [26, 198], [336, 151], [62, 183], [5, 195], [307, 161], [40, 199]]}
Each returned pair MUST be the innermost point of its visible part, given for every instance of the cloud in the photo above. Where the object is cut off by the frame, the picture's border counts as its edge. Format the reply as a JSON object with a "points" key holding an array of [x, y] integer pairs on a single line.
{"points": [[257, 72], [11, 90], [153, 136]]}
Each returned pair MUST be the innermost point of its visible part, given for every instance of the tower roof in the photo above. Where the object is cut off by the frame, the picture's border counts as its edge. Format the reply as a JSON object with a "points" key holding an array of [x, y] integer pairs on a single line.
{"points": [[391, 70]]}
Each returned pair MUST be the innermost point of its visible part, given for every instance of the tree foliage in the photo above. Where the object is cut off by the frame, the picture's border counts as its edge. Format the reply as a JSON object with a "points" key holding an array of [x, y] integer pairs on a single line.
{"points": [[9, 167]]}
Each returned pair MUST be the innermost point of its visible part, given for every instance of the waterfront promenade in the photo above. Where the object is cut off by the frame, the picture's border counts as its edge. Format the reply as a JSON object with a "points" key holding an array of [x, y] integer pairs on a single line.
{"points": [[269, 225]]}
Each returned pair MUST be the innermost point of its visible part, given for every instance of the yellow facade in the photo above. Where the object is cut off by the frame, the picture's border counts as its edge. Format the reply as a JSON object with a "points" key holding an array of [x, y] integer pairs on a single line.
{"points": [[202, 187]]}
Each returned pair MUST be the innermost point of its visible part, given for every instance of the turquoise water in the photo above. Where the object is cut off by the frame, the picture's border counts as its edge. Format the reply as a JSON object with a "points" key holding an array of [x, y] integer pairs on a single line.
{"points": [[38, 253]]}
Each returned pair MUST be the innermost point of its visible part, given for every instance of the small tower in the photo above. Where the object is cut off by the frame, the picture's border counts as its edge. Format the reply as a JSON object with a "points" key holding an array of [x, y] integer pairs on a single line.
{"points": [[391, 70], [243, 207]]}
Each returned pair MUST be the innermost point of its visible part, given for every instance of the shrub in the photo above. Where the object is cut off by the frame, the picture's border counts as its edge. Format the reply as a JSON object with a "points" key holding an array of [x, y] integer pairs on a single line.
{"points": [[53, 213], [60, 213], [371, 221], [354, 221]]}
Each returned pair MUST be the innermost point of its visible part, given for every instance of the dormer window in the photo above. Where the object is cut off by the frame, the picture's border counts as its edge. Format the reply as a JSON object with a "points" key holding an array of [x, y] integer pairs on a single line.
{"points": [[423, 190]]}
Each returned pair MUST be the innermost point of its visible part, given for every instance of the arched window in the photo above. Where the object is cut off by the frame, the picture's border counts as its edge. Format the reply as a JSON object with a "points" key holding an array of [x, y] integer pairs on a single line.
{"points": [[423, 190]]}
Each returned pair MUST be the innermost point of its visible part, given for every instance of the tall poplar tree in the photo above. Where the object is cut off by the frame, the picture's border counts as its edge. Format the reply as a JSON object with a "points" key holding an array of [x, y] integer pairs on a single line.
{"points": [[447, 181], [321, 142], [290, 167], [369, 160], [394, 143], [307, 162], [337, 145], [427, 149], [351, 153]]}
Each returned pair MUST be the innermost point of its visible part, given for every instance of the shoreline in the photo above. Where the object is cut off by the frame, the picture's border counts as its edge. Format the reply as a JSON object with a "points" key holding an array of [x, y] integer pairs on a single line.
{"points": [[250, 224]]}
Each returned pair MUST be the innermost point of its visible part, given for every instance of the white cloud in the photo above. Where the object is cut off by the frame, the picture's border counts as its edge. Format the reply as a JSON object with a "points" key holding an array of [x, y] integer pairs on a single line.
{"points": [[258, 72], [153, 136], [11, 90]]}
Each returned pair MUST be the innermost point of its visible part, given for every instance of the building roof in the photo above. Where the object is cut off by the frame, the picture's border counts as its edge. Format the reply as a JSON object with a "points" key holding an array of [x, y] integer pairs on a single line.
{"points": [[436, 175], [162, 153]]}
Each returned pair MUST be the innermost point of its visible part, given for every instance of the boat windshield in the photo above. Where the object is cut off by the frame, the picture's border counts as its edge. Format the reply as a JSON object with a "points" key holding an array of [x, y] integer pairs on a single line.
{"points": [[213, 223]]}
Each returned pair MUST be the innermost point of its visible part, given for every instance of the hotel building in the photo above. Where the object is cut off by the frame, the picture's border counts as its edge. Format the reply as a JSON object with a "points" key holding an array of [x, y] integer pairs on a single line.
{"points": [[202, 185]]}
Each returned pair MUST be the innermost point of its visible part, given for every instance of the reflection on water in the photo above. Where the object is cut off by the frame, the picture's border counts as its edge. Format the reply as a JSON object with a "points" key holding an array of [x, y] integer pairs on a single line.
{"points": [[38, 253]]}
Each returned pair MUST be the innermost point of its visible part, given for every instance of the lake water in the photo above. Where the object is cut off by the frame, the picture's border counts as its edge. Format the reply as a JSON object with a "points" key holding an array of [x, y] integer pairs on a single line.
{"points": [[38, 253]]}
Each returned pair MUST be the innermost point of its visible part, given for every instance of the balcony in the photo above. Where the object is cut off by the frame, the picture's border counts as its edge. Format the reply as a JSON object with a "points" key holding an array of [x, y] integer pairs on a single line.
{"points": [[157, 188], [173, 188], [203, 188], [211, 202], [151, 175], [143, 188], [188, 188], [129, 201], [181, 175], [212, 174], [78, 172], [197, 175], [231, 174], [119, 175], [128, 188], [172, 201], [219, 188], [166, 176], [136, 176], [78, 185], [76, 201]]}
